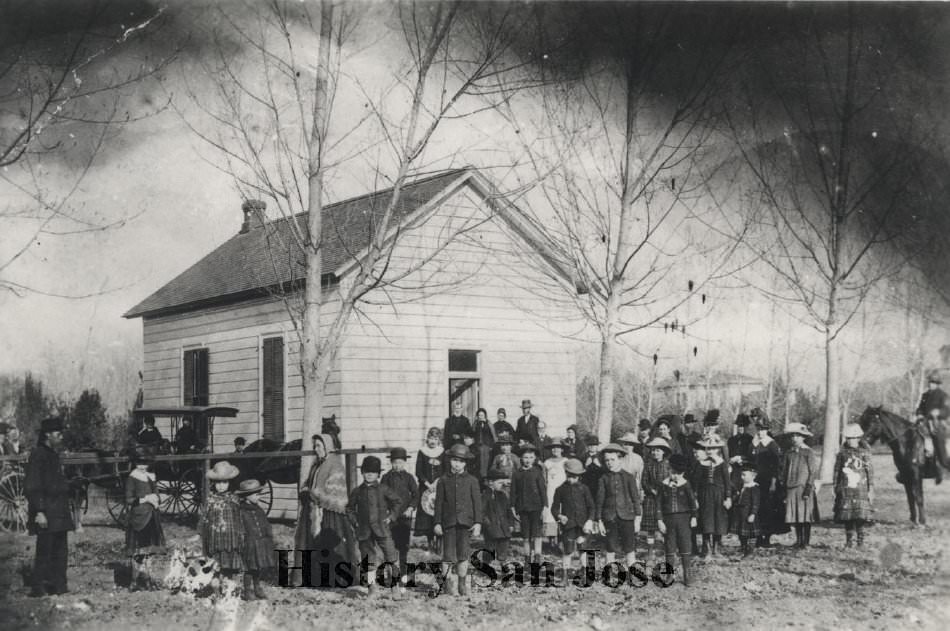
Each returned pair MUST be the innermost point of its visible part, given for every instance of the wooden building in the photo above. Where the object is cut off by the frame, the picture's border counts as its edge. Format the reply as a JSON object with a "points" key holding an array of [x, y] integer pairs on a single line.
{"points": [[467, 314]]}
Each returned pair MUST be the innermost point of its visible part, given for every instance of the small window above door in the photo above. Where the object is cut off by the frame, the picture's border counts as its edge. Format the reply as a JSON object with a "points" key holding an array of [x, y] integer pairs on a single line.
{"points": [[463, 361]]}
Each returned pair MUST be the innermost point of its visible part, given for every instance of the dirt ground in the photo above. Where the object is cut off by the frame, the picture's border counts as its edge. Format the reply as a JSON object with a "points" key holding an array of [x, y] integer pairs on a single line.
{"points": [[901, 581]]}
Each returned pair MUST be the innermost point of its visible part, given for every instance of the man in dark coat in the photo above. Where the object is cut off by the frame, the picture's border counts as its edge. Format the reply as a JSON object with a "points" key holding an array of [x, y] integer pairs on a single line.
{"points": [[457, 428], [934, 398], [149, 435], [49, 515], [527, 427], [187, 438]]}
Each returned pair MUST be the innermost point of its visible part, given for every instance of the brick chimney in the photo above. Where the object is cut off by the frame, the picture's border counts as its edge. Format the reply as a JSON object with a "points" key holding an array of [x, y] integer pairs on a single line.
{"points": [[252, 206]]}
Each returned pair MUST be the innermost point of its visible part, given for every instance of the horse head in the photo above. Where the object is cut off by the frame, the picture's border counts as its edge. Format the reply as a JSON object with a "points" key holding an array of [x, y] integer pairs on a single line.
{"points": [[871, 424]]}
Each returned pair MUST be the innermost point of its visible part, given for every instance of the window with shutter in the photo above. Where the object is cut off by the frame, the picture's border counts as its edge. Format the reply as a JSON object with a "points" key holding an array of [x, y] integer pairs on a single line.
{"points": [[195, 377], [272, 388]]}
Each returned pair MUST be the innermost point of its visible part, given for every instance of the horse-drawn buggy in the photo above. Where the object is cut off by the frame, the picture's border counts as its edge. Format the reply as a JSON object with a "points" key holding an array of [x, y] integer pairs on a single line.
{"points": [[179, 466]]}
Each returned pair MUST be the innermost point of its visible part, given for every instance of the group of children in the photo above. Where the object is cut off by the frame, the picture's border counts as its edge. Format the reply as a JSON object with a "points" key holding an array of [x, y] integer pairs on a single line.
{"points": [[602, 500], [233, 527]]}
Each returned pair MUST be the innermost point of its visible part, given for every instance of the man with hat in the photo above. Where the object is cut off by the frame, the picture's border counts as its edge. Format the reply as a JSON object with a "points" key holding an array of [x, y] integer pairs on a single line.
{"points": [[527, 426], [644, 428], [401, 482], [372, 508], [149, 434], [617, 506], [49, 515], [801, 482], [934, 398], [458, 517]]}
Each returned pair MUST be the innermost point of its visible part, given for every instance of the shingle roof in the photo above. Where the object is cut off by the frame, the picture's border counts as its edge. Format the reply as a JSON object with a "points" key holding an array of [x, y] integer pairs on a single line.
{"points": [[244, 265]]}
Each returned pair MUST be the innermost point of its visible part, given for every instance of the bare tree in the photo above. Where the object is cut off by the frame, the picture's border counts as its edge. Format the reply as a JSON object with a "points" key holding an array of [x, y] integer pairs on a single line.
{"points": [[831, 167], [281, 137], [619, 152], [61, 100]]}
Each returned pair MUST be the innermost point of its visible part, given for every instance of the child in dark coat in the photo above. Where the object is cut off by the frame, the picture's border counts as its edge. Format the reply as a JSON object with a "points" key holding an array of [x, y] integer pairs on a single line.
{"points": [[372, 509], [529, 497], [714, 491], [676, 513], [401, 482], [573, 509], [143, 535], [617, 508], [496, 511], [746, 509], [258, 539], [458, 517]]}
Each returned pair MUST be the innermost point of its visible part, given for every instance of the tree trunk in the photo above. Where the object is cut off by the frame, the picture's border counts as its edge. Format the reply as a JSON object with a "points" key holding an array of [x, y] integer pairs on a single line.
{"points": [[831, 440], [313, 368], [606, 388]]}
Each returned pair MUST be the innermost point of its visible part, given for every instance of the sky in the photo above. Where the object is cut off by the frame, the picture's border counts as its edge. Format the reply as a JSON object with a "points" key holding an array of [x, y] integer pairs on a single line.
{"points": [[169, 200]]}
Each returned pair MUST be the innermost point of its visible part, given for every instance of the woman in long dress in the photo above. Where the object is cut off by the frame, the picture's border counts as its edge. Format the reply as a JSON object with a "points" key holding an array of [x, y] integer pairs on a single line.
{"points": [[430, 465], [323, 526]]}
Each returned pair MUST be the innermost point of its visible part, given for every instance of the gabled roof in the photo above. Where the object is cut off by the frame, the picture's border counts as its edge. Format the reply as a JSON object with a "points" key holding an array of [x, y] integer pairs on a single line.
{"points": [[244, 266]]}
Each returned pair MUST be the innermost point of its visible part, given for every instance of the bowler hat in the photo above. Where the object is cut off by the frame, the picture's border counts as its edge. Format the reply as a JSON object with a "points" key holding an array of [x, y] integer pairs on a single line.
{"points": [[644, 425], [711, 418], [371, 464], [852, 430], [573, 466], [659, 443], [525, 403], [797, 428], [747, 465], [398, 453], [223, 471], [460, 451], [743, 420], [612, 447], [248, 487], [496, 474], [689, 418], [678, 463], [630, 438], [593, 439], [52, 424], [934, 378]]}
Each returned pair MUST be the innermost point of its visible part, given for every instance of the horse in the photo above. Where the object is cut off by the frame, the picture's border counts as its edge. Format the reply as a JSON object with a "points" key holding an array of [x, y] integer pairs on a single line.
{"points": [[906, 445]]}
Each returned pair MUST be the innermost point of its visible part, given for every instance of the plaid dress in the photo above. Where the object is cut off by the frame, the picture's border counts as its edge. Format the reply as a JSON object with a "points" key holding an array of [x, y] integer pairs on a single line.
{"points": [[654, 472], [222, 531], [853, 481], [747, 503], [712, 489]]}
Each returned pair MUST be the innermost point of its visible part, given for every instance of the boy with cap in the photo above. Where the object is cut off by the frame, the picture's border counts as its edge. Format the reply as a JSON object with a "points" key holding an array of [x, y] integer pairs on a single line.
{"points": [[458, 517], [529, 497], [593, 466], [505, 461], [401, 482], [676, 514], [617, 507], [372, 509], [496, 513], [746, 509], [573, 509]]}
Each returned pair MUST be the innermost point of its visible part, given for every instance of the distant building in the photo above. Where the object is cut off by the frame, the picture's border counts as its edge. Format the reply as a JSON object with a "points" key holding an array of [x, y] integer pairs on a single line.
{"points": [[696, 392]]}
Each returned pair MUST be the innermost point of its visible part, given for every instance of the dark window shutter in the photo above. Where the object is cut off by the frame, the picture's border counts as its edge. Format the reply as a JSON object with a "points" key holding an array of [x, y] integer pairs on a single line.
{"points": [[272, 404], [195, 377]]}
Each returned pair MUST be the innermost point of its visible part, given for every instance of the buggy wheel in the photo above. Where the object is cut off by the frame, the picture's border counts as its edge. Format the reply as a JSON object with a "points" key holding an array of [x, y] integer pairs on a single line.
{"points": [[13, 505], [179, 497], [267, 496], [115, 504]]}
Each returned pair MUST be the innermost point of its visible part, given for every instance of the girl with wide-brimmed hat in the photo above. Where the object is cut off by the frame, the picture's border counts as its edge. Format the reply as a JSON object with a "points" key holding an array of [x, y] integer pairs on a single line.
{"points": [[800, 479], [219, 524], [853, 485], [714, 491], [258, 549]]}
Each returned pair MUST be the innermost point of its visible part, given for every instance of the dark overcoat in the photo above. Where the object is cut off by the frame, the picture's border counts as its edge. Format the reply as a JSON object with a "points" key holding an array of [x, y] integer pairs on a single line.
{"points": [[47, 491]]}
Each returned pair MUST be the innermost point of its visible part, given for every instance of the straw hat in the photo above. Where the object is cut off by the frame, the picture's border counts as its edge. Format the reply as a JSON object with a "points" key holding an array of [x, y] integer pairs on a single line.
{"points": [[249, 487], [460, 451], [612, 447], [797, 428], [630, 438], [223, 471], [659, 443], [573, 466], [852, 430]]}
